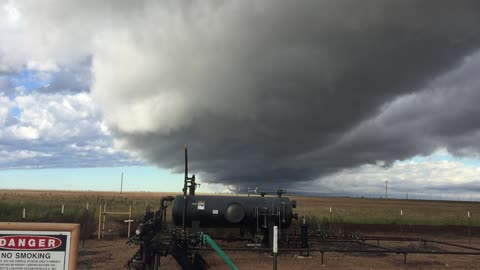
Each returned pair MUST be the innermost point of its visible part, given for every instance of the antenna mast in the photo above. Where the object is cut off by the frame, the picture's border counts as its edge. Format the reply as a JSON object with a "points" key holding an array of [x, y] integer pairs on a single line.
{"points": [[189, 187]]}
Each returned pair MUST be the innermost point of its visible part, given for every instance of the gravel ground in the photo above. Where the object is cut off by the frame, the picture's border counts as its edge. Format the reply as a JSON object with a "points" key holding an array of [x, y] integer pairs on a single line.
{"points": [[113, 254]]}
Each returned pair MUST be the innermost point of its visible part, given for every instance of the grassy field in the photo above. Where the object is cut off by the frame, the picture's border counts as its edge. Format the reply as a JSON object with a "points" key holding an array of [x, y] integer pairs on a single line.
{"points": [[381, 211], [45, 206]]}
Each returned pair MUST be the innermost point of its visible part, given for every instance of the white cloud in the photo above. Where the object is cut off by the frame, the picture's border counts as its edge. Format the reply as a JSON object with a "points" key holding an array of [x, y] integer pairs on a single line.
{"points": [[432, 176], [5, 106], [32, 36], [56, 130], [9, 156], [22, 132], [54, 117]]}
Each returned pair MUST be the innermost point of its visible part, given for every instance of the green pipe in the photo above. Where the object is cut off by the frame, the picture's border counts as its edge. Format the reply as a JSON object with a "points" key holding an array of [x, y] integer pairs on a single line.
{"points": [[207, 239]]}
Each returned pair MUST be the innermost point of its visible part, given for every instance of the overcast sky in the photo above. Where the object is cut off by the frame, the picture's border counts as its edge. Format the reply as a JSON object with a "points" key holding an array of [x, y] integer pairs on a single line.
{"points": [[328, 97]]}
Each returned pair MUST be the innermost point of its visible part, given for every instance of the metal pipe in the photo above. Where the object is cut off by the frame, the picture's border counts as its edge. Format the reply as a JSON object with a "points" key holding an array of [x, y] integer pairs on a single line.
{"points": [[186, 172], [348, 251], [185, 190], [369, 245], [453, 245], [206, 239]]}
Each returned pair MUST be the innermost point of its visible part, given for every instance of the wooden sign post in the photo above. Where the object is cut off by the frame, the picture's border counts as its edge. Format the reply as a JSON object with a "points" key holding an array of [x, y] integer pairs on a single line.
{"points": [[51, 246]]}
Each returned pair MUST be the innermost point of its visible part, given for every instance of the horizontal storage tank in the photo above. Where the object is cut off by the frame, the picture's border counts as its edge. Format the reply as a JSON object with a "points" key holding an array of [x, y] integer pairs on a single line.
{"points": [[233, 211]]}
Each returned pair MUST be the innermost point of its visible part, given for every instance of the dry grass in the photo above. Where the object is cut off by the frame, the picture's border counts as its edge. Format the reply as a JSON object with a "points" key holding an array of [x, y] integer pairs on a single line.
{"points": [[46, 206], [382, 211]]}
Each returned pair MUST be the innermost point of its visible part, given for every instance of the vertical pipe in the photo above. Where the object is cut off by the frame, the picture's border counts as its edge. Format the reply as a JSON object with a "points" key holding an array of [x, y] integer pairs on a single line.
{"points": [[99, 222], [186, 172], [156, 262], [23, 214], [275, 247], [265, 217], [304, 235], [165, 214], [279, 221], [256, 232], [185, 190], [63, 209]]}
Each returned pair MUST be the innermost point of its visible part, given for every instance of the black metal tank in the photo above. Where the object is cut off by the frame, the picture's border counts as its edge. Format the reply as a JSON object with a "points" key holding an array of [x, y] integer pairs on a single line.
{"points": [[233, 211]]}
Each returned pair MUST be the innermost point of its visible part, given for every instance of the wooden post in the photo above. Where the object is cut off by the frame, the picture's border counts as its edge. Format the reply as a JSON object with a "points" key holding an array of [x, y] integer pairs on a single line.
{"points": [[99, 222], [401, 221], [469, 224], [83, 227], [104, 218], [129, 222]]}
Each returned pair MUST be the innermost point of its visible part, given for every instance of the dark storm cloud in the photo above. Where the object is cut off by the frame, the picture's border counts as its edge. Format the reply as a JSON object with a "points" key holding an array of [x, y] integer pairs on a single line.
{"points": [[443, 115], [287, 91], [472, 187]]}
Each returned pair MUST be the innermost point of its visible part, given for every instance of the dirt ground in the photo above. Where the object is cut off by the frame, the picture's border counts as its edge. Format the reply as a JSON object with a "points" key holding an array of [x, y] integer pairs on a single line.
{"points": [[113, 254]]}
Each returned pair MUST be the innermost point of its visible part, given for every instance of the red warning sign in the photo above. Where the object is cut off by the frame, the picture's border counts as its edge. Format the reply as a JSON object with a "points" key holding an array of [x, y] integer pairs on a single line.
{"points": [[24, 242]]}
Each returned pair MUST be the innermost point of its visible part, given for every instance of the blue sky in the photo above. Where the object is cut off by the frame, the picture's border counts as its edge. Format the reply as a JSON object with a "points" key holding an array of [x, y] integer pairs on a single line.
{"points": [[90, 91], [136, 178]]}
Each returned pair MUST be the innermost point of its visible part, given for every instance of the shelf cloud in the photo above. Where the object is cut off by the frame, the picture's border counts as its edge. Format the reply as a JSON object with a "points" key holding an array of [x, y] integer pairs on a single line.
{"points": [[265, 92], [278, 92]]}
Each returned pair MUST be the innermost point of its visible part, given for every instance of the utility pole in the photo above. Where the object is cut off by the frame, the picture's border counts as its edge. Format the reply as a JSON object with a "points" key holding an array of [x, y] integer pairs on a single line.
{"points": [[386, 189], [121, 184]]}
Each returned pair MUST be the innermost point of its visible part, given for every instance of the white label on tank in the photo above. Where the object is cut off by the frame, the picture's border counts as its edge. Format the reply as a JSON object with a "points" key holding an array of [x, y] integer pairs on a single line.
{"points": [[201, 205], [215, 212]]}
